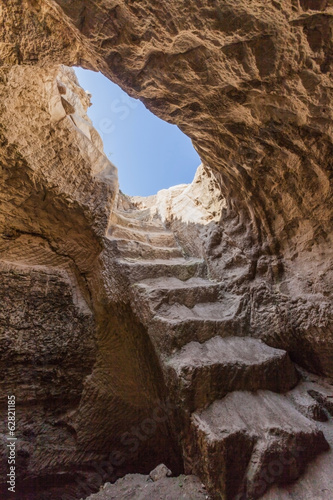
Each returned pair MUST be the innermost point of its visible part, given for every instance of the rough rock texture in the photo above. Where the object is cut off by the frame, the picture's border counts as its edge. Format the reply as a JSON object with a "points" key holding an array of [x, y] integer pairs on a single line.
{"points": [[241, 437], [317, 481], [82, 370], [236, 363], [250, 83], [185, 202], [189, 210], [138, 487], [183, 314], [48, 340]]}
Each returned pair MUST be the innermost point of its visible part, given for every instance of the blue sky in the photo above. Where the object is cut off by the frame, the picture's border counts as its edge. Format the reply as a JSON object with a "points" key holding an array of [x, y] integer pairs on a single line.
{"points": [[150, 154]]}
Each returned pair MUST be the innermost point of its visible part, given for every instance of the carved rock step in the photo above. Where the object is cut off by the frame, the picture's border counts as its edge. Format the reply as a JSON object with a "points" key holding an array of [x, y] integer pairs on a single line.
{"points": [[245, 442], [181, 268], [158, 239], [176, 325], [135, 221], [226, 307], [136, 213], [201, 373], [163, 290], [139, 250]]}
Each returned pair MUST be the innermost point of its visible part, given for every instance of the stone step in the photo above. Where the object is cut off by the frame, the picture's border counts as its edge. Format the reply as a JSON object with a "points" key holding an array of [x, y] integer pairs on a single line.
{"points": [[201, 373], [153, 225], [212, 311], [158, 239], [174, 326], [181, 268], [136, 213], [169, 336], [139, 250], [244, 443], [170, 290]]}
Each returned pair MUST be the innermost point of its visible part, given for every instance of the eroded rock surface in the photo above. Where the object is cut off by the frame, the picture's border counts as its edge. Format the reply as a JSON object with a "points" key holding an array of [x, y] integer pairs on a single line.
{"points": [[152, 299], [231, 426], [136, 486], [245, 435], [64, 343]]}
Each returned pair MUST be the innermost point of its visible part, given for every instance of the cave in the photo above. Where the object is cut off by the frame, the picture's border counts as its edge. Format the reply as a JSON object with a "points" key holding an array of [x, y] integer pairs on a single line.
{"points": [[191, 328]]}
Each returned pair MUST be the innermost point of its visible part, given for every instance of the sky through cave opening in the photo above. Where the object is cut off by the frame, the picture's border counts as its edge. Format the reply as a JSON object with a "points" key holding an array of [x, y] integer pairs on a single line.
{"points": [[150, 154]]}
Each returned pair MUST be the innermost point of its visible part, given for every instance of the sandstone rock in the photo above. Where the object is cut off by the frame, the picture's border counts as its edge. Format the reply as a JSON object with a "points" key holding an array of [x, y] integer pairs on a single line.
{"points": [[325, 400], [186, 201], [307, 405], [204, 372], [248, 441], [135, 486], [160, 472], [58, 190], [250, 84], [197, 373]]}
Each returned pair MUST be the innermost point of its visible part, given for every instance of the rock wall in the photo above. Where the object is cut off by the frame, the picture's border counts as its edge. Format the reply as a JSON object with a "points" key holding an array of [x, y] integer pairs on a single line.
{"points": [[191, 211], [83, 371], [250, 83]]}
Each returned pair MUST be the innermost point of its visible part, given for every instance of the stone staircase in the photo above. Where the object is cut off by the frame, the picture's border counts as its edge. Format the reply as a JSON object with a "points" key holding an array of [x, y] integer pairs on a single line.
{"points": [[138, 238], [238, 429]]}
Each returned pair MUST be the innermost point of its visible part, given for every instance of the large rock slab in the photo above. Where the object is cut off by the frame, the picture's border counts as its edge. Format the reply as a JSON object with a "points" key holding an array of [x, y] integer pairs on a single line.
{"points": [[247, 441], [201, 373]]}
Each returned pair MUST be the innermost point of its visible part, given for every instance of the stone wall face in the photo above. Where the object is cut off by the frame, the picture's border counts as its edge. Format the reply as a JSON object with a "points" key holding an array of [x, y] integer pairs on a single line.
{"points": [[251, 84], [48, 347]]}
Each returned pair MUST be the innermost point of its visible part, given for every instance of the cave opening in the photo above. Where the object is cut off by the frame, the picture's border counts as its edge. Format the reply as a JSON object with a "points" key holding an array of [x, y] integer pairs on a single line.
{"points": [[150, 154]]}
